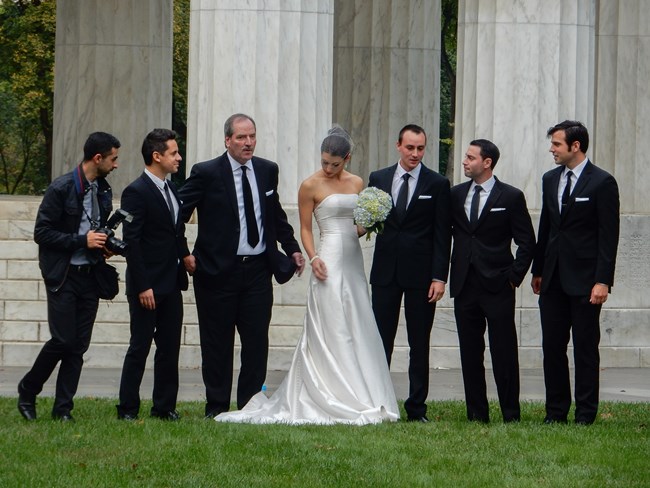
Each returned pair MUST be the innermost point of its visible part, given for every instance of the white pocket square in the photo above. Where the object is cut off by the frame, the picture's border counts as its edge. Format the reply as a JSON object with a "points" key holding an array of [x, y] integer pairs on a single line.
{"points": [[582, 199], [497, 209], [269, 193], [424, 197]]}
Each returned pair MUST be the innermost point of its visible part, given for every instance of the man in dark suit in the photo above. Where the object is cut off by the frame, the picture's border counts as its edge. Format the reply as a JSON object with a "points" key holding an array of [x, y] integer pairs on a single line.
{"points": [[573, 269], [155, 276], [241, 221], [411, 258], [487, 215]]}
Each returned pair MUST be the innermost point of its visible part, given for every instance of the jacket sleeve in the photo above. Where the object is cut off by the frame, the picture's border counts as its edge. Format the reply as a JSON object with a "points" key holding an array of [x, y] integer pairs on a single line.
{"points": [[55, 210], [608, 208], [132, 234], [442, 232], [524, 236]]}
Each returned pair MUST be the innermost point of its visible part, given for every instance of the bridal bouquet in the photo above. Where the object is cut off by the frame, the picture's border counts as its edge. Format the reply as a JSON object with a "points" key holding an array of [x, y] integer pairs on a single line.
{"points": [[373, 206]]}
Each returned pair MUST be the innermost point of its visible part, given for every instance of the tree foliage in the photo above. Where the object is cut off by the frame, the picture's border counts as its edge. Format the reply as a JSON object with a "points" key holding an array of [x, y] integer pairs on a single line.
{"points": [[180, 76], [449, 19], [27, 31]]}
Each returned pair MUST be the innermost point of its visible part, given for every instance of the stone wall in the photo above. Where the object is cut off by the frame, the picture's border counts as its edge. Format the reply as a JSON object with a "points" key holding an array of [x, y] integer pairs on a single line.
{"points": [[23, 311]]}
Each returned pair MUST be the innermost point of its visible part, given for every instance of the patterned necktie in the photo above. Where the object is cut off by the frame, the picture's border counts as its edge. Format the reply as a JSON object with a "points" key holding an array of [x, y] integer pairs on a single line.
{"points": [[402, 196], [170, 204], [567, 190], [476, 199], [249, 210]]}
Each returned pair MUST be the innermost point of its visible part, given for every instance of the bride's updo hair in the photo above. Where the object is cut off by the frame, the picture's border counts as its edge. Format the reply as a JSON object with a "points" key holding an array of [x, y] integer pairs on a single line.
{"points": [[337, 143]]}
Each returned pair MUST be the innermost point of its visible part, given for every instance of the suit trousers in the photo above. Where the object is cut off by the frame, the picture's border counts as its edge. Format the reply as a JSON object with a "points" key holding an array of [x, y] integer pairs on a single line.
{"points": [[241, 300], [71, 315], [474, 308], [563, 316], [386, 302], [162, 325]]}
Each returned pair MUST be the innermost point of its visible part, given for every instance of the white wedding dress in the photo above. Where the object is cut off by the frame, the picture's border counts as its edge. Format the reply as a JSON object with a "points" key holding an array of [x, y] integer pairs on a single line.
{"points": [[339, 372]]}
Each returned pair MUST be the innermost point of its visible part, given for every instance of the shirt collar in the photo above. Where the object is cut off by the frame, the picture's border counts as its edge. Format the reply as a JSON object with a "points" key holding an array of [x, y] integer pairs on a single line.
{"points": [[486, 185], [415, 173], [235, 165], [577, 171], [157, 181]]}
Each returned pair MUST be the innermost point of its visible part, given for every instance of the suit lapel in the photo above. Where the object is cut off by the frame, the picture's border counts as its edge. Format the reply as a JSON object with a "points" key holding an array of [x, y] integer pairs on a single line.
{"points": [[582, 183], [157, 195], [386, 180], [494, 195], [459, 204], [261, 179], [554, 182], [226, 175]]}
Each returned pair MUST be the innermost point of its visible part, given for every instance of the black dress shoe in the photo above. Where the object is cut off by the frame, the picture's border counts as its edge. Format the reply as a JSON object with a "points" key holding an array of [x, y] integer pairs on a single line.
{"points": [[584, 422], [549, 421], [26, 404], [172, 415], [63, 417], [129, 417], [422, 419], [27, 408]]}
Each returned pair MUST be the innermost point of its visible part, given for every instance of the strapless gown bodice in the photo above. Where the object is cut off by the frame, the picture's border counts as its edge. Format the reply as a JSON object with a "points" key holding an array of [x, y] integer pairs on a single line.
{"points": [[339, 372]]}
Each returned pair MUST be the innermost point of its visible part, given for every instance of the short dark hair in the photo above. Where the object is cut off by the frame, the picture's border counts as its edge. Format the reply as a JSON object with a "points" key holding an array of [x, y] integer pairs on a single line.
{"points": [[573, 131], [99, 143], [488, 150], [228, 129], [413, 128], [156, 141]]}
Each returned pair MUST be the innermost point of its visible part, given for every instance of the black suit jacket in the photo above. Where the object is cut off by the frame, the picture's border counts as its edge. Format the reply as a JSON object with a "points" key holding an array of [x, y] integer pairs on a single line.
{"points": [[487, 244], [156, 245], [580, 242], [415, 250], [211, 190]]}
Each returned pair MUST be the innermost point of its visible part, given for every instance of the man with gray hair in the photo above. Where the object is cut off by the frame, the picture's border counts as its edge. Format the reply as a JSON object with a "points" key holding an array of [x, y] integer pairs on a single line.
{"points": [[232, 270]]}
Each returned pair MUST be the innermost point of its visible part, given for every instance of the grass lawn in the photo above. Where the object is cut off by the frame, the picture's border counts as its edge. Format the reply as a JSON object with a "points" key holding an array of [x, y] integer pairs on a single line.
{"points": [[100, 451]]}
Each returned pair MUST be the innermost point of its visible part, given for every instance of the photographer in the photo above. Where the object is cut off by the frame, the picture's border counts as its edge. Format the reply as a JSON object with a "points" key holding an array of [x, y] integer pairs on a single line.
{"points": [[155, 276], [74, 206]]}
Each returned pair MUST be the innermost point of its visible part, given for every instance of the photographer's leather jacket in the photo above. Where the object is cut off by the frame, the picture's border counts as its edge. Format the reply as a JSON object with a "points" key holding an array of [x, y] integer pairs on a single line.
{"points": [[57, 223]]}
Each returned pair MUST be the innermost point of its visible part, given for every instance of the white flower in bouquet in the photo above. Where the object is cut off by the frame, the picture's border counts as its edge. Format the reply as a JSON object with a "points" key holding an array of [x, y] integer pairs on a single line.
{"points": [[373, 207]]}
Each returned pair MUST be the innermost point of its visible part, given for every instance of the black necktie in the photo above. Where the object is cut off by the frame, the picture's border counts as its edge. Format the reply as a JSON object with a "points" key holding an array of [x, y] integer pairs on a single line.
{"points": [[567, 190], [473, 209], [249, 210], [402, 196], [94, 213], [170, 204]]}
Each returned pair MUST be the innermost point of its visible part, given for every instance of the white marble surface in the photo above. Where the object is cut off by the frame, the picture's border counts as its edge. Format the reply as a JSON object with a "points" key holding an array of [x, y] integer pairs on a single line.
{"points": [[386, 75], [113, 73], [522, 67], [23, 311], [622, 130], [271, 60]]}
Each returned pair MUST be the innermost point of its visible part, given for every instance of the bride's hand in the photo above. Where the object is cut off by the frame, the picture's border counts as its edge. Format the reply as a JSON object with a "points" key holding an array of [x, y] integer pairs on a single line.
{"points": [[319, 269]]}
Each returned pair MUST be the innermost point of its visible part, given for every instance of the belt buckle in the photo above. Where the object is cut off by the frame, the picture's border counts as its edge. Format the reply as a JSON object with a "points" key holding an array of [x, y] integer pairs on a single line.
{"points": [[245, 258]]}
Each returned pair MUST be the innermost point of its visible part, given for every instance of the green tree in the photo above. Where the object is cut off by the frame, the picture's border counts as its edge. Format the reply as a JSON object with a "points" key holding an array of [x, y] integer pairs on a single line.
{"points": [[27, 31], [449, 19], [179, 83]]}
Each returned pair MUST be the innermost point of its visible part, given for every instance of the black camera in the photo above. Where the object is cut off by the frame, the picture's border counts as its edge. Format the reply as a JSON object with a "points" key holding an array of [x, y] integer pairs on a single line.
{"points": [[113, 244]]}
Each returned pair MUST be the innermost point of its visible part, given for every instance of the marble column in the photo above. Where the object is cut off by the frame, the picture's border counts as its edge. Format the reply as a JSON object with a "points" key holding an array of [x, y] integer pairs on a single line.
{"points": [[622, 145], [113, 73], [271, 60], [622, 125], [386, 74], [522, 67]]}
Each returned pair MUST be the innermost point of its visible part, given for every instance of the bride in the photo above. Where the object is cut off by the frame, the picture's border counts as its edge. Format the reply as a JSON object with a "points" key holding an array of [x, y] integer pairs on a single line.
{"points": [[339, 372]]}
